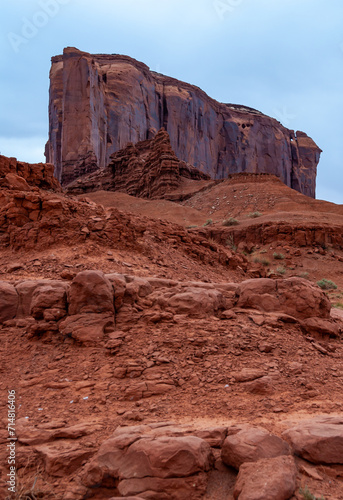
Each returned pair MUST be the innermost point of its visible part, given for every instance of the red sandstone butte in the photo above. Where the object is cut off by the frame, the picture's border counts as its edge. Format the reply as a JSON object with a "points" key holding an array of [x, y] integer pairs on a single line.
{"points": [[100, 103]]}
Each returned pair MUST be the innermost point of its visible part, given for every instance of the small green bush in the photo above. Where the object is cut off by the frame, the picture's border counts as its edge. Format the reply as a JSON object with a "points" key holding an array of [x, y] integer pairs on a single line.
{"points": [[325, 284], [278, 256], [254, 215], [304, 275], [281, 270], [209, 222], [230, 222], [338, 305], [308, 495], [191, 227]]}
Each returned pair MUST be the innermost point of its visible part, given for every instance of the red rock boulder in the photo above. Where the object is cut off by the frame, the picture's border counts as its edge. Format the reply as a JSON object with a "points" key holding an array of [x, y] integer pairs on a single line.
{"points": [[193, 301], [266, 479], [322, 327], [293, 296], [91, 292], [318, 440], [302, 299], [87, 329], [8, 301], [166, 457], [29, 289], [249, 444], [49, 301], [152, 466]]}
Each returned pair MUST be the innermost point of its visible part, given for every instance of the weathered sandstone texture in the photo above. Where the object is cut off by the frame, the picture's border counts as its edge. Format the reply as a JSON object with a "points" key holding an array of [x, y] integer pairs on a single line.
{"points": [[87, 310], [21, 176], [100, 103], [148, 169]]}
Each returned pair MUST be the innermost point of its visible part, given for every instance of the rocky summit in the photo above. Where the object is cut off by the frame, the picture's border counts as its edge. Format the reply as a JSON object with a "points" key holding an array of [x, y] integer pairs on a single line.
{"points": [[100, 103], [171, 322]]}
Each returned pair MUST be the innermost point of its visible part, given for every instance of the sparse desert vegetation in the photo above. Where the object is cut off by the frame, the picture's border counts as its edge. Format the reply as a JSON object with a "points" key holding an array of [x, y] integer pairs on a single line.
{"points": [[326, 284], [230, 222]]}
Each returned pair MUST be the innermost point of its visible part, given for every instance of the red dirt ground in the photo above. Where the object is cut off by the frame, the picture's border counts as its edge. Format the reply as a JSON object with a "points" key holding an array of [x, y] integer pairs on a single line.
{"points": [[199, 355]]}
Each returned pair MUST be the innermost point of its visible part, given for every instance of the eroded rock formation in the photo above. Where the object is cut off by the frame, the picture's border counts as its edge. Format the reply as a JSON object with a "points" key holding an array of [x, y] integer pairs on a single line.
{"points": [[100, 103], [35, 218], [148, 169], [85, 309], [22, 176]]}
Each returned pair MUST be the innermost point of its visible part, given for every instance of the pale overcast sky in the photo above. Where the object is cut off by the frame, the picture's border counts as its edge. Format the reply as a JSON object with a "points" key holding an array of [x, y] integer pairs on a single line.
{"points": [[283, 57]]}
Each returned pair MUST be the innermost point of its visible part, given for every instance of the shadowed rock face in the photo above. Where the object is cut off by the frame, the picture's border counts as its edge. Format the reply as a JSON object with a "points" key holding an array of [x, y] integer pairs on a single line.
{"points": [[100, 103], [148, 169]]}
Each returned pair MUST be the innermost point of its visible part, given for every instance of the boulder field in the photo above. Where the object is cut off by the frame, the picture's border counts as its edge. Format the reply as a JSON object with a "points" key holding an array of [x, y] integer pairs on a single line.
{"points": [[167, 460], [88, 308]]}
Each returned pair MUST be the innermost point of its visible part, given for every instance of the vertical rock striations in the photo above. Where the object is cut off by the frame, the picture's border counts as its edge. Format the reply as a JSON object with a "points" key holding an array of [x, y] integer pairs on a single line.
{"points": [[100, 103]]}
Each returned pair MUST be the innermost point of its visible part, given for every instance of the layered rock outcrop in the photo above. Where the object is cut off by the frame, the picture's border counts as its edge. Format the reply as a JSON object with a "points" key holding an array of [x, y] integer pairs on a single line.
{"points": [[34, 218], [100, 103], [169, 461], [22, 176], [88, 309], [148, 169]]}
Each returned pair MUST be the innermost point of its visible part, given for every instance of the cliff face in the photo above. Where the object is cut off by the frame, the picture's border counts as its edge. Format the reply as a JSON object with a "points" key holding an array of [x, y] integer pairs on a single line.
{"points": [[100, 103]]}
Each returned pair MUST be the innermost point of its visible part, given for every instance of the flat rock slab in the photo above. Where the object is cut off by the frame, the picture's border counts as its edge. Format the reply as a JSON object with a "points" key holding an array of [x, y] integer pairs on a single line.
{"points": [[188, 488], [31, 435], [320, 326], [247, 375], [63, 457], [318, 440]]}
